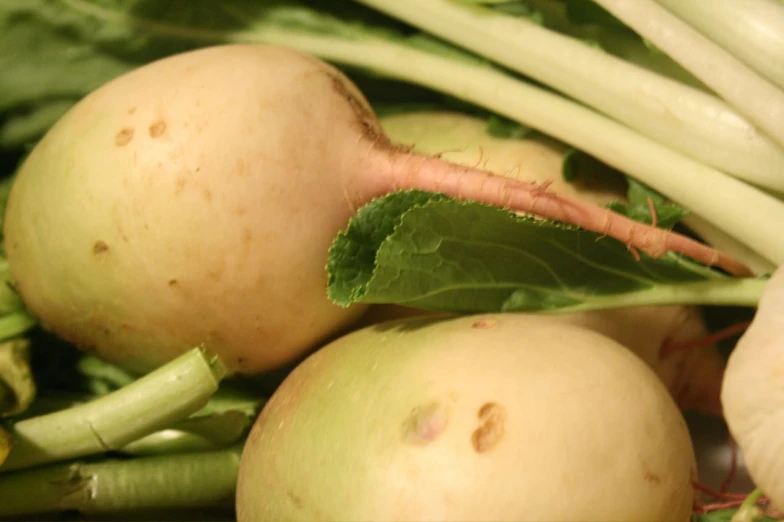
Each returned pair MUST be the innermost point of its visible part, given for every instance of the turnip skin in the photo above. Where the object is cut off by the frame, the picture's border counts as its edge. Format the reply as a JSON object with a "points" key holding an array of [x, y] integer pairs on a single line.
{"points": [[753, 390], [384, 424], [200, 227]]}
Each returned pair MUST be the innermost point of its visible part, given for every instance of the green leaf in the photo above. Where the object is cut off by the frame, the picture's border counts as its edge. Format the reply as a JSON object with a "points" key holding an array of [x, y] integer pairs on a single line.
{"points": [[501, 127], [590, 13], [434, 252], [569, 164], [54, 52], [641, 198]]}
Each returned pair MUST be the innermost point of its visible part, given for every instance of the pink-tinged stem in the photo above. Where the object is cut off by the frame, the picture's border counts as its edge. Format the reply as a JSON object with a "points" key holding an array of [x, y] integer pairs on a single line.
{"points": [[402, 170]]}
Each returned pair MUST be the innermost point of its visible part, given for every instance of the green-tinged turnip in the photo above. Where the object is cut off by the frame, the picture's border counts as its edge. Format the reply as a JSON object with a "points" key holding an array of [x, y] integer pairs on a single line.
{"points": [[753, 389], [488, 417], [193, 200], [659, 335], [692, 375]]}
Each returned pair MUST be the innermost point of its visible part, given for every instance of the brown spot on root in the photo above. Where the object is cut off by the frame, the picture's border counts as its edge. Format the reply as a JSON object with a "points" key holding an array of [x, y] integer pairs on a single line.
{"points": [[484, 324], [100, 247], [489, 434], [173, 283], [157, 129], [123, 137], [131, 110], [425, 424]]}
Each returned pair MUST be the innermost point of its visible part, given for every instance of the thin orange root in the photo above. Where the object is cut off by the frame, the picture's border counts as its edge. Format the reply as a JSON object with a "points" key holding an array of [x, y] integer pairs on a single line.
{"points": [[722, 495], [652, 210], [670, 347], [435, 175]]}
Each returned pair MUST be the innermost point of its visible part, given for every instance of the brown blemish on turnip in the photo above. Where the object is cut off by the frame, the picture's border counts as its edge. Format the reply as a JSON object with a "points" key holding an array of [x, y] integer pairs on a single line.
{"points": [[100, 247], [179, 184], [365, 117], [425, 424], [484, 324], [295, 499], [157, 129], [489, 434], [650, 476], [173, 283], [123, 137]]}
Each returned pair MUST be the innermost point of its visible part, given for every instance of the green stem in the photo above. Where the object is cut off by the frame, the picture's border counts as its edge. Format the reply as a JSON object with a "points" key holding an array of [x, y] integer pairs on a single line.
{"points": [[15, 324], [748, 510], [210, 432], [728, 292], [752, 30], [103, 376], [748, 92], [171, 482], [166, 395]]}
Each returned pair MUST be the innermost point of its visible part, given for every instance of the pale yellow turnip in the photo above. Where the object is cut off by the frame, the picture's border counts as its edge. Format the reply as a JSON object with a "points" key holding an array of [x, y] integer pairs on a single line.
{"points": [[753, 388], [477, 418], [192, 201]]}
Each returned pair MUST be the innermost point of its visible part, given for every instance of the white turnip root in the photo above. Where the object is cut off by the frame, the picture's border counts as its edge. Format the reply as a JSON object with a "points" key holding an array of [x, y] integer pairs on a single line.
{"points": [[488, 417], [692, 375], [753, 388], [193, 201]]}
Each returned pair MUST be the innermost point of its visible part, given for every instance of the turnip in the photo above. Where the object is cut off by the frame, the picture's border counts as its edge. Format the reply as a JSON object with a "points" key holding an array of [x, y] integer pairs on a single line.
{"points": [[752, 389], [692, 375], [487, 417], [193, 200]]}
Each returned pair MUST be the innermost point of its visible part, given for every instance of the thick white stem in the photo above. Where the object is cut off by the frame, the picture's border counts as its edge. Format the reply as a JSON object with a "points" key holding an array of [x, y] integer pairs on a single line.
{"points": [[752, 30], [684, 118], [730, 78], [726, 243]]}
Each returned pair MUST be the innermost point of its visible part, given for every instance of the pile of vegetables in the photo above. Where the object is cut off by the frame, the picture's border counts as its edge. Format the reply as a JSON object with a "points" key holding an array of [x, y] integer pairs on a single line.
{"points": [[387, 259]]}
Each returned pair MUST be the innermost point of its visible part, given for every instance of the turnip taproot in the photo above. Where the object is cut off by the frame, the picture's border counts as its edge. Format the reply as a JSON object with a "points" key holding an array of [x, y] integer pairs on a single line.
{"points": [[694, 375], [465, 140], [753, 389], [488, 417], [193, 200]]}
